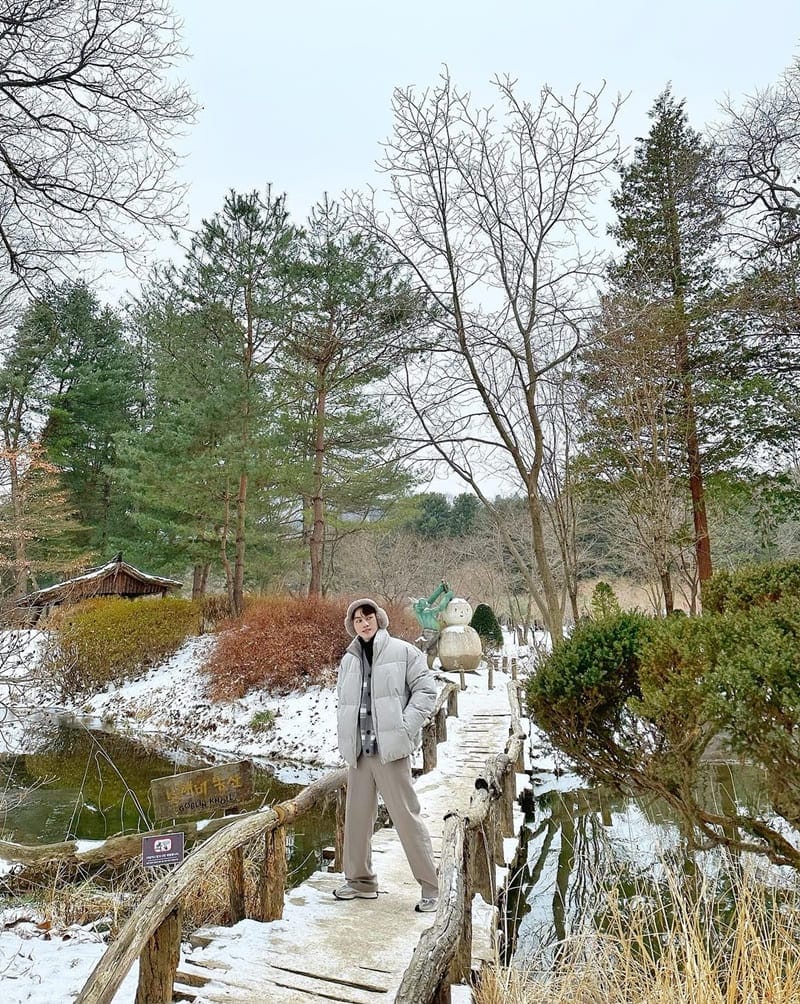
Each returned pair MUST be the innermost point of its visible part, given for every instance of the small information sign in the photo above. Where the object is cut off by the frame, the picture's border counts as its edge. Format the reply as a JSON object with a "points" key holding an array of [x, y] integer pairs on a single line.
{"points": [[165, 849], [202, 791]]}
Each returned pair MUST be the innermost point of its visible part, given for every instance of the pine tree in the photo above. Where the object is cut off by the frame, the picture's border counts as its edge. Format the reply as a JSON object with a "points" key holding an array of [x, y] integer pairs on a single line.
{"points": [[668, 228], [40, 535], [93, 399], [25, 389], [203, 466], [354, 321]]}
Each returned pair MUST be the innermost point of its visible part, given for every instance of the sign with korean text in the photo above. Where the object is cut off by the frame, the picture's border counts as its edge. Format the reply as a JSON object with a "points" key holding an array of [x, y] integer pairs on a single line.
{"points": [[164, 849], [202, 791]]}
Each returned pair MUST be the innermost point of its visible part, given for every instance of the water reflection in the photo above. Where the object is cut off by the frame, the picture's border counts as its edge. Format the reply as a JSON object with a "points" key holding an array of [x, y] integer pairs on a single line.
{"points": [[582, 841], [89, 784]]}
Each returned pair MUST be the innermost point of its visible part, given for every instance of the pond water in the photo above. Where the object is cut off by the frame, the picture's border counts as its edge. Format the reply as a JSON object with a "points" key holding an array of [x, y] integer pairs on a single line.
{"points": [[89, 784], [579, 841]]}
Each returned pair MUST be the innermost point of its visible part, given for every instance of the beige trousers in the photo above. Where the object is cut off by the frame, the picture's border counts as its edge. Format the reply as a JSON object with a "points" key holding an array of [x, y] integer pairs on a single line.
{"points": [[393, 781]]}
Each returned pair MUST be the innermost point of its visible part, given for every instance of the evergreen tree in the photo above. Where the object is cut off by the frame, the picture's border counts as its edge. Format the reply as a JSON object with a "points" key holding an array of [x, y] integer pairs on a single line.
{"points": [[433, 519], [203, 465], [354, 320], [40, 536], [668, 228], [93, 399], [463, 514], [25, 389]]}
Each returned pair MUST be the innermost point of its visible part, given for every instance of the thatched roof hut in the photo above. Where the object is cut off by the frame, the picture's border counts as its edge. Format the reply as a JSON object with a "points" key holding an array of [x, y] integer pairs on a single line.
{"points": [[115, 578]]}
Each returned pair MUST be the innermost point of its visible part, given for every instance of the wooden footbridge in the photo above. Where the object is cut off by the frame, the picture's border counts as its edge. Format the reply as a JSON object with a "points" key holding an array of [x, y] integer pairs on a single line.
{"points": [[304, 946]]}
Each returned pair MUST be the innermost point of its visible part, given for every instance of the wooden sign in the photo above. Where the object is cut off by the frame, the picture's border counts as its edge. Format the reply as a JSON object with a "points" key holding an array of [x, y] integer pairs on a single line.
{"points": [[202, 791]]}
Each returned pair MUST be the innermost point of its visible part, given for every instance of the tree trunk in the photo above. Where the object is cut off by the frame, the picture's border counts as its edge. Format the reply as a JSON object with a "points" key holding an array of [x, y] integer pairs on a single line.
{"points": [[702, 541], [238, 568], [317, 539], [223, 549], [666, 589], [199, 579], [18, 510], [555, 622]]}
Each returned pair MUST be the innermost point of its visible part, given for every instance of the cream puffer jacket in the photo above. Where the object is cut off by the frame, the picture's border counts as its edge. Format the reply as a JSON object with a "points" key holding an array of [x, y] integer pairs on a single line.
{"points": [[403, 696]]}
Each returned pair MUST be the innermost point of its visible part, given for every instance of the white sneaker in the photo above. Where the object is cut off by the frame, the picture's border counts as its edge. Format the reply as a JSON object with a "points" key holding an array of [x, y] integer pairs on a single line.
{"points": [[347, 891], [427, 905]]}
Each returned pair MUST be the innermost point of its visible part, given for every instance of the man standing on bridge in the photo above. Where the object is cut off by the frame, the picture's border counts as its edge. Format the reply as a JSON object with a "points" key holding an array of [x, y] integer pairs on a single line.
{"points": [[386, 692]]}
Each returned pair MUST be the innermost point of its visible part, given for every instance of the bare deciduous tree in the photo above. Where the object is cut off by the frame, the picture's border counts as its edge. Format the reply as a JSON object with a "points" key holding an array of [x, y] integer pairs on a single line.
{"points": [[760, 142], [88, 116], [488, 212]]}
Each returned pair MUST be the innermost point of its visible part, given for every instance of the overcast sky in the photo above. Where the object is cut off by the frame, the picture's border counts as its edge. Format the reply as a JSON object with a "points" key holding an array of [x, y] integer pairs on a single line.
{"points": [[298, 92]]}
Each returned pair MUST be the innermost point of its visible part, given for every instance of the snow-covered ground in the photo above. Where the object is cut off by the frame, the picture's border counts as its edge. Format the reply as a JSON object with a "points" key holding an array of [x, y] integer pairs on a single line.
{"points": [[43, 965], [172, 699]]}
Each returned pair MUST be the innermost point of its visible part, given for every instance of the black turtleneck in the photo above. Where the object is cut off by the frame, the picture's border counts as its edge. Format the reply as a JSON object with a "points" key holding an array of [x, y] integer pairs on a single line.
{"points": [[366, 648]]}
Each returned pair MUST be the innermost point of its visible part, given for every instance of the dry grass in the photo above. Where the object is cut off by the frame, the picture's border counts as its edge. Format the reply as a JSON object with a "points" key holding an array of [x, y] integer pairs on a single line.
{"points": [[67, 896], [677, 954]]}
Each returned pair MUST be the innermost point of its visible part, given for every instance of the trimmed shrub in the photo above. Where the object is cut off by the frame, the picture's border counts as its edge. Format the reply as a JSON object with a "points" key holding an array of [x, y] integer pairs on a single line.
{"points": [[104, 641], [283, 643], [487, 626], [751, 586], [581, 688]]}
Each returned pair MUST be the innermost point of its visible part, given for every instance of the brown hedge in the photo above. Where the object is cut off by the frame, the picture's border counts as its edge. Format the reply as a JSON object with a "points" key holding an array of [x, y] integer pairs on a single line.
{"points": [[283, 643]]}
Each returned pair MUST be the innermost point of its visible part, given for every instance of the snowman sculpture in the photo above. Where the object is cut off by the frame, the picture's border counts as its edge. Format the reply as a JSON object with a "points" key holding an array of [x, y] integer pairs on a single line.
{"points": [[459, 644]]}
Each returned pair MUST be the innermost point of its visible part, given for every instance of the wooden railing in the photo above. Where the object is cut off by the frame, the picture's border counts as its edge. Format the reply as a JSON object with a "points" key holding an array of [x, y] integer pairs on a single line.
{"points": [[152, 933], [472, 845]]}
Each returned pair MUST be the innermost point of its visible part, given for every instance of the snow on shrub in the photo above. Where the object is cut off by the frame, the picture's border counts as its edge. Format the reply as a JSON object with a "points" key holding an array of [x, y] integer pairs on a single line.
{"points": [[102, 641]]}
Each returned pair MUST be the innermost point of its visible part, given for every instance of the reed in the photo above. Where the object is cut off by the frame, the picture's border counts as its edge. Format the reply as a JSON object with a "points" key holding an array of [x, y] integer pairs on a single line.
{"points": [[671, 948]]}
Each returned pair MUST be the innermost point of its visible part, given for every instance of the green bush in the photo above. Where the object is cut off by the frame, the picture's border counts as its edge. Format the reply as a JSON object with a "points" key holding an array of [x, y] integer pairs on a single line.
{"points": [[673, 724], [263, 721], [579, 692], [751, 586], [487, 626], [103, 641], [753, 693]]}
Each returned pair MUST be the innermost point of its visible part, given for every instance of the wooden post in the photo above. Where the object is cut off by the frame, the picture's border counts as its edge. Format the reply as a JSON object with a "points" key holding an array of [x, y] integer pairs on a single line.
{"points": [[490, 679], [481, 862], [463, 679], [158, 963], [442, 993], [236, 884], [507, 800], [341, 799], [494, 830], [273, 874], [461, 963], [519, 763], [452, 703], [431, 966], [513, 667], [441, 725], [429, 747]]}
